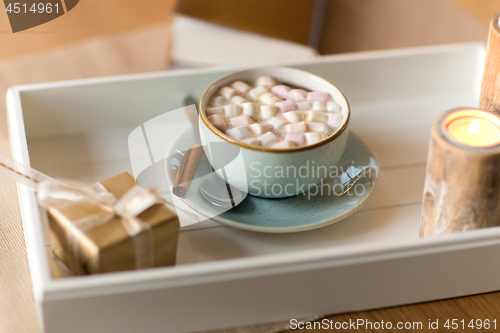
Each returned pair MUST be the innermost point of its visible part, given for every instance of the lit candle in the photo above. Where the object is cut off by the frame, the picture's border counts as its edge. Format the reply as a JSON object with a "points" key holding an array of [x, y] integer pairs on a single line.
{"points": [[473, 127], [461, 190]]}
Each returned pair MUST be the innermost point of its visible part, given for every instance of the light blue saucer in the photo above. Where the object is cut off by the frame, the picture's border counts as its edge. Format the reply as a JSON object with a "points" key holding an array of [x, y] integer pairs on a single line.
{"points": [[293, 214]]}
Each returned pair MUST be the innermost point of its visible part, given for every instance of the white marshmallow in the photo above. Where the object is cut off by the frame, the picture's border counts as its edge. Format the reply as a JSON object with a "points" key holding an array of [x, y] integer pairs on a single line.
{"points": [[296, 128], [304, 105], [332, 106], [335, 120], [214, 110], [251, 109], [319, 127], [277, 123], [293, 116], [238, 100], [314, 137], [318, 116], [251, 141], [267, 112], [219, 121], [239, 133], [260, 128], [228, 92], [266, 81], [318, 106], [219, 101], [241, 86], [269, 99], [232, 110], [268, 139], [256, 92], [240, 121], [284, 144]]}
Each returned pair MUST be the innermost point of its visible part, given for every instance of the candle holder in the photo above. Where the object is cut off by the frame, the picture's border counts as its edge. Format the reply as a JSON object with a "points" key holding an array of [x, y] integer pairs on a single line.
{"points": [[462, 184], [490, 88]]}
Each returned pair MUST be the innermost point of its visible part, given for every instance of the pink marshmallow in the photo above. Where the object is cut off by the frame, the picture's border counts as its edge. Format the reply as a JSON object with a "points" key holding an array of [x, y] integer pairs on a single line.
{"points": [[299, 138], [281, 90], [285, 106], [318, 96], [297, 95]]}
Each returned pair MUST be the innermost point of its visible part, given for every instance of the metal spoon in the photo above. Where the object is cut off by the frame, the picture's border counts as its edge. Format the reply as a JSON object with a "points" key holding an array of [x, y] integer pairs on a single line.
{"points": [[215, 189]]}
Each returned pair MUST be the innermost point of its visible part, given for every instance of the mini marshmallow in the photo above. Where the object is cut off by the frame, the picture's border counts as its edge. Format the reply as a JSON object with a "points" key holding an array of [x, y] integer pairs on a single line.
{"points": [[268, 139], [219, 101], [215, 110], [284, 144], [241, 86], [238, 100], [297, 95], [318, 106], [277, 123], [293, 116], [259, 128], [319, 127], [266, 81], [256, 92], [228, 92], [281, 90], [314, 137], [304, 105], [298, 138], [335, 120], [250, 109], [296, 128], [269, 99], [251, 141], [239, 133], [219, 121], [240, 121], [332, 106], [285, 106], [318, 96], [232, 110], [267, 112], [318, 116]]}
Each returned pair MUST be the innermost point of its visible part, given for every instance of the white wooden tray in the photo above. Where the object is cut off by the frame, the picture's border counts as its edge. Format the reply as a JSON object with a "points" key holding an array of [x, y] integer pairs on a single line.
{"points": [[228, 277]]}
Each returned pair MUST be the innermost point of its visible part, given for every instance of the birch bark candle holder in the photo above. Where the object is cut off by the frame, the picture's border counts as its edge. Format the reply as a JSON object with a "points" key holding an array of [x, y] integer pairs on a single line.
{"points": [[462, 184], [490, 89]]}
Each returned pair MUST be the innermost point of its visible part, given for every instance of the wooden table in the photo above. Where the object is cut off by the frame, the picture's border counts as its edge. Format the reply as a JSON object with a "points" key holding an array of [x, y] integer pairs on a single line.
{"points": [[17, 312]]}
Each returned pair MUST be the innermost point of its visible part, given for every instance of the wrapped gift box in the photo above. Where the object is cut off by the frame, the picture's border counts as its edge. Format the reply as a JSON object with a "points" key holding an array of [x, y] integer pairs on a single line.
{"points": [[109, 247]]}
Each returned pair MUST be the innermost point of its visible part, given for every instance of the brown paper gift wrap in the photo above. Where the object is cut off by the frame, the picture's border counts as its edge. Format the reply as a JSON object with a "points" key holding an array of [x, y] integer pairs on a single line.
{"points": [[108, 247]]}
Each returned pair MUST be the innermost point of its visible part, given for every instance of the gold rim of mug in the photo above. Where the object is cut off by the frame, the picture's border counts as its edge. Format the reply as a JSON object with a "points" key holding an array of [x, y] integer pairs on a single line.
{"points": [[268, 149]]}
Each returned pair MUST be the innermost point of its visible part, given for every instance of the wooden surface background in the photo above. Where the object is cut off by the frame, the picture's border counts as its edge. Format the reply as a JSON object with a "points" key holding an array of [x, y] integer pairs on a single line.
{"points": [[349, 26]]}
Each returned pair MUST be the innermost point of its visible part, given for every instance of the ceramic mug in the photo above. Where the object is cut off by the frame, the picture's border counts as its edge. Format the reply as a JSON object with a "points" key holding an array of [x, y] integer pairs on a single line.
{"points": [[271, 172]]}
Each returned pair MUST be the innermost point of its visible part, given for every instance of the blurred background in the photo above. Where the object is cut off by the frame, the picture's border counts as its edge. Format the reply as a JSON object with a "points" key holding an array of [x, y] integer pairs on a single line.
{"points": [[330, 26]]}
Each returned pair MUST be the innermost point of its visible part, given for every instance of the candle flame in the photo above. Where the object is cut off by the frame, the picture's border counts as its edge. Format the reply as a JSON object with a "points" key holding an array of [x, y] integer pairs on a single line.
{"points": [[474, 128]]}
